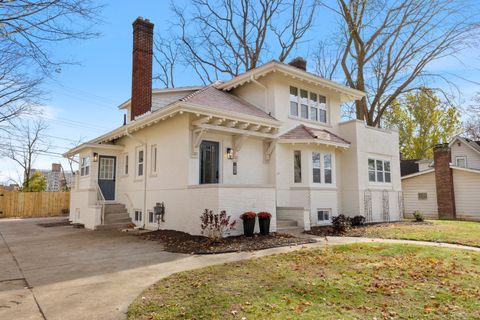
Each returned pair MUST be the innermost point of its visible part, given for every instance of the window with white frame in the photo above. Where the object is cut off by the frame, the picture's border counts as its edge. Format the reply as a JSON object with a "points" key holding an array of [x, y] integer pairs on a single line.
{"points": [[422, 196], [125, 164], [379, 171], [138, 215], [297, 166], [322, 167], [308, 105], [316, 167], [461, 161], [323, 215], [154, 159], [140, 158], [85, 166], [151, 217]]}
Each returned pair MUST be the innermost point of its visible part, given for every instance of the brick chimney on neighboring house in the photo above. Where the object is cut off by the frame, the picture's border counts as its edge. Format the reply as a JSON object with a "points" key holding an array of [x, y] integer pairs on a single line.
{"points": [[141, 67], [299, 63], [444, 181]]}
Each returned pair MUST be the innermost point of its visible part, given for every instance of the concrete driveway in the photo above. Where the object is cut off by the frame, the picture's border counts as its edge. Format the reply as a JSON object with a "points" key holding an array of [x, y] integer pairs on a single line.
{"points": [[66, 273]]}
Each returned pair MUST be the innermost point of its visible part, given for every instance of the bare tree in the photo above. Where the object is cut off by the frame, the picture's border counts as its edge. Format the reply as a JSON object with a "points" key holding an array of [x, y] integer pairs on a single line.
{"points": [[27, 31], [230, 37], [167, 57], [327, 58], [25, 149], [389, 44], [471, 124]]}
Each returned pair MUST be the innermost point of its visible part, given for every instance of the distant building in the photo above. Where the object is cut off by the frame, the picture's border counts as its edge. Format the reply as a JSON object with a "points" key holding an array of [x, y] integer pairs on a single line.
{"points": [[9, 188], [57, 178]]}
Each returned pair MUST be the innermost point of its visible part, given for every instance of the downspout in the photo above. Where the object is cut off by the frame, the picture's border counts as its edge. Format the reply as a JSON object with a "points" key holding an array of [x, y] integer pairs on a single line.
{"points": [[264, 89], [144, 211]]}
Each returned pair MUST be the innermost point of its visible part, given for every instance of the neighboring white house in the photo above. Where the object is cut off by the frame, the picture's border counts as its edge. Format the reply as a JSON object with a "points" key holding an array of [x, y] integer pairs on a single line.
{"points": [[448, 186], [270, 139]]}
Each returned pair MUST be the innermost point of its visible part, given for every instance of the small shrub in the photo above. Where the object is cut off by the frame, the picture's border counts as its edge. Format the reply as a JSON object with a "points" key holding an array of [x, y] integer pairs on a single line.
{"points": [[418, 216], [340, 224], [214, 226], [248, 215], [357, 221], [264, 215]]}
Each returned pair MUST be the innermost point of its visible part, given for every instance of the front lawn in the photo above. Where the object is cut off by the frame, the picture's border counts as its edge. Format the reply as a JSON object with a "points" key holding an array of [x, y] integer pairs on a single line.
{"points": [[458, 232], [361, 281]]}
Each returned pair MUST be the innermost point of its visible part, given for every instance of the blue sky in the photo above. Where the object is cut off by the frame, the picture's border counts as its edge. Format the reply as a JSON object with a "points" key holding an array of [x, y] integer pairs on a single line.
{"points": [[83, 98]]}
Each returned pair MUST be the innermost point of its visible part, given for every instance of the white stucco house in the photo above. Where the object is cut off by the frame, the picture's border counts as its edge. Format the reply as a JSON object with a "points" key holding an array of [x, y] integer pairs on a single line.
{"points": [[448, 186], [270, 139]]}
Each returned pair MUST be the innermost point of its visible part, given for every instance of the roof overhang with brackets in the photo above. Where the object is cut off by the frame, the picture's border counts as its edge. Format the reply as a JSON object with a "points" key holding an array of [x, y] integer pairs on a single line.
{"points": [[347, 94]]}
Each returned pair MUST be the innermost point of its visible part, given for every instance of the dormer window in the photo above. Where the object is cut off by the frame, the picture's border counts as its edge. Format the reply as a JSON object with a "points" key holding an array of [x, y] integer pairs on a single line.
{"points": [[308, 105]]}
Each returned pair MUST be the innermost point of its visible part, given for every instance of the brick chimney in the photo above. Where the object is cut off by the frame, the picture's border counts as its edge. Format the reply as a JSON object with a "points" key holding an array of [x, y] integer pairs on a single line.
{"points": [[299, 63], [141, 67], [444, 181]]}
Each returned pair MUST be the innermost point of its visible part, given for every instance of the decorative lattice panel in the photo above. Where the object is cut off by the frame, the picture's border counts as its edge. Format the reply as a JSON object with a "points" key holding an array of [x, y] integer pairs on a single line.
{"points": [[367, 202], [386, 205]]}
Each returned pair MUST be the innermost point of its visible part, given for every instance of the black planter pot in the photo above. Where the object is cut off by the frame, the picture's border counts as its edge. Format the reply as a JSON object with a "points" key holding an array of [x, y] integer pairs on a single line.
{"points": [[248, 227], [264, 224]]}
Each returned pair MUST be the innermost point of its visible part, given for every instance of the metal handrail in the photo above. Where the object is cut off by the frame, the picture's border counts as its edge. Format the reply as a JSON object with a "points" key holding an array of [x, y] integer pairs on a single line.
{"points": [[101, 201]]}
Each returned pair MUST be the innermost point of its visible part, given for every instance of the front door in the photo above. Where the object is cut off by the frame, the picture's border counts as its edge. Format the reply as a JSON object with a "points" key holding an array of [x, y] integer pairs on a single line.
{"points": [[209, 162], [106, 176]]}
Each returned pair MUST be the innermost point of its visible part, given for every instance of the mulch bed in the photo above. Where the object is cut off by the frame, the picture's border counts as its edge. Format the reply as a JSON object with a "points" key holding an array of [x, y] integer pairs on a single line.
{"points": [[359, 231], [62, 223], [181, 242]]}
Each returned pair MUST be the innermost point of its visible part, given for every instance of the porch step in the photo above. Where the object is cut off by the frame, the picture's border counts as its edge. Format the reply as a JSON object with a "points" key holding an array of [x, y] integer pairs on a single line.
{"points": [[113, 226], [286, 223], [114, 208], [117, 217]]}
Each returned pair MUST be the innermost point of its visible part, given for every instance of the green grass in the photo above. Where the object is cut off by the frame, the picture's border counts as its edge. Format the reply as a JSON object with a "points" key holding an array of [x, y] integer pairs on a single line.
{"points": [[361, 281], [459, 232]]}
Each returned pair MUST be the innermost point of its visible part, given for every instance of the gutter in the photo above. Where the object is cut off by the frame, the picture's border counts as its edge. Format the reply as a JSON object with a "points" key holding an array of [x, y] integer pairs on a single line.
{"points": [[145, 157]]}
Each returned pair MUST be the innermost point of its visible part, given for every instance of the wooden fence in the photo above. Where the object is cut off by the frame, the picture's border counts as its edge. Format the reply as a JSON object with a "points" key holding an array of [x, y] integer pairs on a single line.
{"points": [[34, 204]]}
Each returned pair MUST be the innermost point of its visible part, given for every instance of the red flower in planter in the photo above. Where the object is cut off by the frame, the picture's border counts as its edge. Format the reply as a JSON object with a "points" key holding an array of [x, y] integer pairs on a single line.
{"points": [[264, 215], [249, 215]]}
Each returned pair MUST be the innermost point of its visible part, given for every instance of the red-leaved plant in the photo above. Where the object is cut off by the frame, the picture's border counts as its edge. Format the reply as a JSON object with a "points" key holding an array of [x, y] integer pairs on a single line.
{"points": [[214, 226], [248, 215], [264, 215]]}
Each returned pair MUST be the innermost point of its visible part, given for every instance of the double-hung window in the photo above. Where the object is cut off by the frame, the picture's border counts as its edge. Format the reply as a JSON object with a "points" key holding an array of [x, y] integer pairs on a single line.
{"points": [[297, 166], [379, 171], [85, 166], [322, 167], [138, 215], [125, 164], [461, 161], [294, 101], [308, 105], [140, 161]]}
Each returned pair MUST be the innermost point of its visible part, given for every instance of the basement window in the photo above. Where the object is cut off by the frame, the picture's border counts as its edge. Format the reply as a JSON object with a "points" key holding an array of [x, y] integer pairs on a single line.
{"points": [[151, 217], [422, 196], [323, 215], [138, 215]]}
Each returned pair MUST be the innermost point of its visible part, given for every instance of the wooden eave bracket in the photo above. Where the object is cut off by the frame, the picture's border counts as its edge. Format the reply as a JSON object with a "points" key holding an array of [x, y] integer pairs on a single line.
{"points": [[238, 141], [269, 148]]}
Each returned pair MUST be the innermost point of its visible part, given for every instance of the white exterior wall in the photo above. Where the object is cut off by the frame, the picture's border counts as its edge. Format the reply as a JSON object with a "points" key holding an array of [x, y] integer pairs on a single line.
{"points": [[424, 183], [467, 194], [462, 150], [368, 142]]}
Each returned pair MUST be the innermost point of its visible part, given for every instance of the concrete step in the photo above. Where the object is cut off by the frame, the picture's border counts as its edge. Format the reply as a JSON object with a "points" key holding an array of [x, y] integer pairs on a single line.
{"points": [[113, 226], [115, 208], [297, 231], [118, 220], [286, 223]]}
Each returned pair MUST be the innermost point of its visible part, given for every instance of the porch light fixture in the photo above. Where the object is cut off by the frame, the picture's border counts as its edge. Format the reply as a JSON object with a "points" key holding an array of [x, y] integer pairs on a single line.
{"points": [[95, 157], [229, 153]]}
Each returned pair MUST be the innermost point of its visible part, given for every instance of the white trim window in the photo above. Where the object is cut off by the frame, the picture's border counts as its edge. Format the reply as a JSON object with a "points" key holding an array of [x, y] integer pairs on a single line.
{"points": [[125, 164], [308, 105], [154, 159], [461, 161], [322, 168], [294, 101], [151, 217], [324, 215], [379, 171], [85, 166], [140, 162], [137, 216], [297, 166]]}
